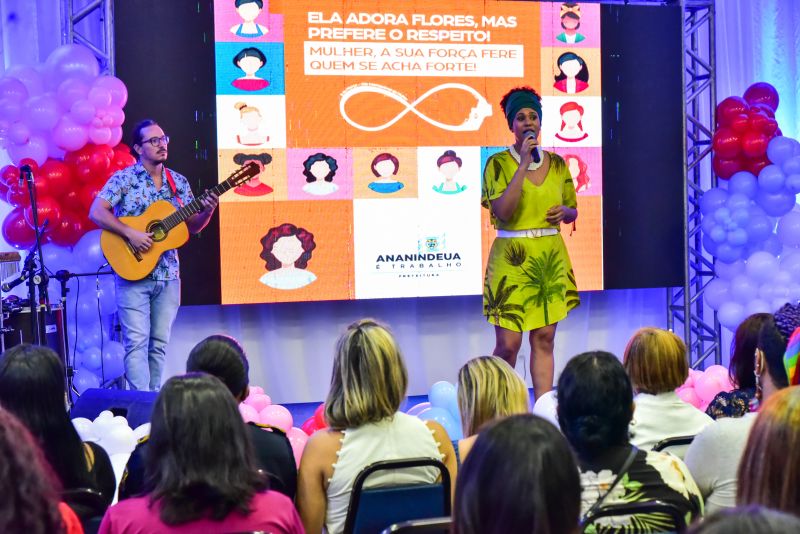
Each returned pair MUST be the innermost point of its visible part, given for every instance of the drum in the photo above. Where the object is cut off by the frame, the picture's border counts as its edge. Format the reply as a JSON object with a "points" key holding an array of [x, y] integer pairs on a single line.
{"points": [[17, 328]]}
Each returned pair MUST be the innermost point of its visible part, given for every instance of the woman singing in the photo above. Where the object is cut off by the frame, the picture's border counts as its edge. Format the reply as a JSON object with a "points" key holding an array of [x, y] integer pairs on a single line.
{"points": [[529, 285]]}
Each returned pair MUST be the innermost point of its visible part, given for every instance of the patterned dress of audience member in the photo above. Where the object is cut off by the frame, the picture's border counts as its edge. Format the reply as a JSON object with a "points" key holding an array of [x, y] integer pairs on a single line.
{"points": [[651, 476]]}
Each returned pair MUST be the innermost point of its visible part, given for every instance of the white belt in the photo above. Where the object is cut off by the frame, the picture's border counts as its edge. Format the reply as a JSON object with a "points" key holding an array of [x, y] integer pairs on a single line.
{"points": [[533, 232]]}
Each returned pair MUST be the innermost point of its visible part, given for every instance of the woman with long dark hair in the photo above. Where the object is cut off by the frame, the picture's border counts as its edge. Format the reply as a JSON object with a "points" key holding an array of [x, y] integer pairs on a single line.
{"points": [[29, 489], [520, 477], [201, 467], [32, 388]]}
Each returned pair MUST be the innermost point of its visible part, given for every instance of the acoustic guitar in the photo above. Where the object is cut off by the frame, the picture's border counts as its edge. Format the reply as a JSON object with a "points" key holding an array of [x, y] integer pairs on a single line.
{"points": [[167, 226]]}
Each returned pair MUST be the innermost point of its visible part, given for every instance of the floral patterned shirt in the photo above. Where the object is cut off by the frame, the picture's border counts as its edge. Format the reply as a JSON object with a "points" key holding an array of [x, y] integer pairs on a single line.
{"points": [[132, 190], [652, 476]]}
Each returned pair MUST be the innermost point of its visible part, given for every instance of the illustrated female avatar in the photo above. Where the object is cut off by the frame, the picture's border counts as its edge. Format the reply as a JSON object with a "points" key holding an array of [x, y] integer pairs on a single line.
{"points": [[254, 187], [449, 165], [573, 75], [577, 169], [249, 10], [319, 170], [250, 130], [570, 21], [385, 167], [571, 123], [287, 250], [250, 60]]}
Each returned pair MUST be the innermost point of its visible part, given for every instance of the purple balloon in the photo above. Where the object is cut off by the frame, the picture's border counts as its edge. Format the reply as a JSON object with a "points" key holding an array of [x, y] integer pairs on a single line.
{"points": [[737, 237], [716, 292], [113, 359], [712, 199], [35, 149], [119, 93], [744, 289], [709, 245], [90, 358], [19, 133], [116, 136], [13, 89], [70, 136], [791, 165], [743, 182], [737, 201], [30, 77], [42, 112], [759, 228], [85, 379], [10, 110], [771, 179], [776, 204], [728, 253], [70, 61], [82, 111], [70, 91], [772, 245], [780, 149], [760, 267], [789, 229]]}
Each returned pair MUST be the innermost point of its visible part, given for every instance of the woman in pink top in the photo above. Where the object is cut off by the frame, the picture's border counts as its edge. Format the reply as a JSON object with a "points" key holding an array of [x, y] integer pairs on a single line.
{"points": [[200, 462]]}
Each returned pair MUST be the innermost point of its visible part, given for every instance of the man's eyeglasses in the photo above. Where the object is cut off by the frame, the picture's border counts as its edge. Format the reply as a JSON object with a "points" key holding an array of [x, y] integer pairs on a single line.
{"points": [[156, 141]]}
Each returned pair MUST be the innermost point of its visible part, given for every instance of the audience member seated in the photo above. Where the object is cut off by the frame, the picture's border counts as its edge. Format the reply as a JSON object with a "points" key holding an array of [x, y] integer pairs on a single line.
{"points": [[520, 477], [202, 468], [32, 388], [30, 492], [747, 520], [223, 357], [595, 407], [488, 388], [656, 363], [713, 457], [742, 399], [771, 461], [368, 383]]}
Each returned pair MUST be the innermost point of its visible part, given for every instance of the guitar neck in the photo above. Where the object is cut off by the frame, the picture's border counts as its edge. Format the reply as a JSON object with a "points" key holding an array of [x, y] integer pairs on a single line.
{"points": [[195, 206]]}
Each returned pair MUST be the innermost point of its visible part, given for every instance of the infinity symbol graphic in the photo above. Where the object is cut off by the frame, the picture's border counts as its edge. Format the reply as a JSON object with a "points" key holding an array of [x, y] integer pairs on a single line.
{"points": [[472, 123]]}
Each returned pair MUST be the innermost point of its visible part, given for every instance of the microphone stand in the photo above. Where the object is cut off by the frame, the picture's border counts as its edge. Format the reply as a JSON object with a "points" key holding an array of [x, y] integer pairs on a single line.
{"points": [[36, 278]]}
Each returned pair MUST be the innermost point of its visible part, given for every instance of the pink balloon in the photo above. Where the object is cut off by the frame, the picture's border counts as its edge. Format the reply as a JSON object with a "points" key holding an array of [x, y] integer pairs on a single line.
{"points": [[690, 395], [298, 440], [116, 137], [13, 89], [70, 61], [249, 414], [100, 97], [707, 387], [255, 390], [100, 136], [82, 111], [70, 91], [119, 93], [277, 416], [30, 77], [42, 112], [70, 136], [718, 371], [116, 114], [35, 149], [258, 401], [19, 133]]}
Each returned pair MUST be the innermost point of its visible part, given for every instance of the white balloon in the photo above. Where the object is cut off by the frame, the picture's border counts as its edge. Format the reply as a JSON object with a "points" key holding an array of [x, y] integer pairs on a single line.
{"points": [[118, 440], [85, 429], [141, 431]]}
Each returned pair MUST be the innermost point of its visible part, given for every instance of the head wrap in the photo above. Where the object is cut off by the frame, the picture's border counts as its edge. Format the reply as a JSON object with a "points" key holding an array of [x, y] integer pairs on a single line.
{"points": [[519, 100], [570, 8], [790, 358]]}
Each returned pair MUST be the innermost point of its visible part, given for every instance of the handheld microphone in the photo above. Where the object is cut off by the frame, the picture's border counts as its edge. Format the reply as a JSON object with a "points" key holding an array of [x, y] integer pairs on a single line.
{"points": [[535, 151], [8, 286]]}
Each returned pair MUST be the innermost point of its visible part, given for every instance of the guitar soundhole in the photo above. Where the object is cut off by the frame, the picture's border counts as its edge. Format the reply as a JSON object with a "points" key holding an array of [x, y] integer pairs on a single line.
{"points": [[157, 229]]}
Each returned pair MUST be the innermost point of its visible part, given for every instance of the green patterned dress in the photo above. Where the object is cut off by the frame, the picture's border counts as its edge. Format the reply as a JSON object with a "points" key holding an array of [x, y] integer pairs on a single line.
{"points": [[529, 282]]}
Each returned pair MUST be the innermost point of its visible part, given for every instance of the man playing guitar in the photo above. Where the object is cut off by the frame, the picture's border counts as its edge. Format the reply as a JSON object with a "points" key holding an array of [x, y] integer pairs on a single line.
{"points": [[147, 307]]}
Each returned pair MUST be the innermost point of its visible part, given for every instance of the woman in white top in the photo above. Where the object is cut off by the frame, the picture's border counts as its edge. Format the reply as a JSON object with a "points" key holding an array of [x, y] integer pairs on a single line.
{"points": [[368, 383], [656, 363]]}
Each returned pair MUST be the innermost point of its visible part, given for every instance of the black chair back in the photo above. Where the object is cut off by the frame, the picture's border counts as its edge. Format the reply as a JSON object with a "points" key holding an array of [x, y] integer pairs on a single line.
{"points": [[371, 510], [673, 522], [88, 504], [678, 444], [436, 525]]}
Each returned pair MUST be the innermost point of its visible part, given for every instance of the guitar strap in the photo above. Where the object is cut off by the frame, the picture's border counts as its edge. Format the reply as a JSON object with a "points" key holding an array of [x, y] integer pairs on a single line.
{"points": [[172, 187]]}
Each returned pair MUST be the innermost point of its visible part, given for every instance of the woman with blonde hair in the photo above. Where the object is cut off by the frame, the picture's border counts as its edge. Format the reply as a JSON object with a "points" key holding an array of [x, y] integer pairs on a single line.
{"points": [[771, 460], [368, 383], [656, 363], [488, 389]]}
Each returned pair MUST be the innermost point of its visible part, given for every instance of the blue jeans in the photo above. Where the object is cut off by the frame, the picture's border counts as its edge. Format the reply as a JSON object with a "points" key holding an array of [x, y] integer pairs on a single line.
{"points": [[146, 310]]}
